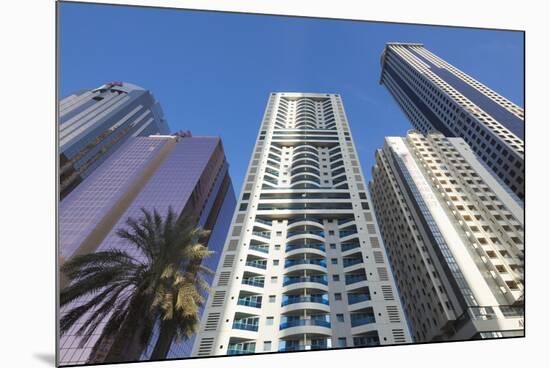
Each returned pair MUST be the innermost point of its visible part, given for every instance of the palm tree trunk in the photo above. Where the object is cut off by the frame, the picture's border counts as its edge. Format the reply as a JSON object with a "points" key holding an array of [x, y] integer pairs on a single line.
{"points": [[167, 332]]}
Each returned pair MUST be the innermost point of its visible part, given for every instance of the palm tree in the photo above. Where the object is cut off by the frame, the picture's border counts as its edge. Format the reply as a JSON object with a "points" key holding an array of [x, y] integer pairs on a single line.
{"points": [[159, 277]]}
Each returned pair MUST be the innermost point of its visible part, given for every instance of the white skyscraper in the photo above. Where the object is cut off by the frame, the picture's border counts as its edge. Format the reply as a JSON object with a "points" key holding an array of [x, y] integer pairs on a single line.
{"points": [[455, 238], [303, 266]]}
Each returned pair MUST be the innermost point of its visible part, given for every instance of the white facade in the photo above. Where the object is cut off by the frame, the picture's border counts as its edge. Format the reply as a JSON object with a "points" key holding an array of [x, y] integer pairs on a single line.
{"points": [[303, 266], [454, 235]]}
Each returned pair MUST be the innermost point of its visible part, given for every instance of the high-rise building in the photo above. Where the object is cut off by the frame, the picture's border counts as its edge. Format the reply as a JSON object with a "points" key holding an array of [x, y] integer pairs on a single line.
{"points": [[189, 174], [94, 123], [437, 96], [454, 236], [303, 267]]}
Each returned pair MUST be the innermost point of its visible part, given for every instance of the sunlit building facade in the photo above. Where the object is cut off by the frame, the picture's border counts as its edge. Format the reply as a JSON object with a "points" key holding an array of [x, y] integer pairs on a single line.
{"points": [[303, 267], [454, 236], [435, 95], [95, 123], [188, 174]]}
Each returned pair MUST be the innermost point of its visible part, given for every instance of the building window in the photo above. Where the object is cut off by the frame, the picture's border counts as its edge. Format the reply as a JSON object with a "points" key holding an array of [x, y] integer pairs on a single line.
{"points": [[277, 246], [273, 279], [334, 261], [275, 262], [272, 298], [269, 321], [279, 233], [340, 317], [267, 345], [331, 232], [335, 277], [333, 246], [342, 342], [338, 296]]}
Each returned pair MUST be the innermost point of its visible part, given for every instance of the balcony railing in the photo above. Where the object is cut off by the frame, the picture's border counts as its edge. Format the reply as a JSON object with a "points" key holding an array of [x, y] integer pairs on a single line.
{"points": [[263, 234], [348, 246], [363, 320], [305, 218], [250, 303], [253, 282], [318, 246], [260, 248], [347, 233], [239, 351], [357, 298], [295, 262], [306, 299], [304, 322], [272, 181], [351, 261], [244, 326], [294, 280], [265, 222], [355, 278], [257, 264], [320, 233], [304, 347]]}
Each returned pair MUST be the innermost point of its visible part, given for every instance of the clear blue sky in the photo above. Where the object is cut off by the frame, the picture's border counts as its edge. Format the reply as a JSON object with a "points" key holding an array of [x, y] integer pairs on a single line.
{"points": [[213, 72]]}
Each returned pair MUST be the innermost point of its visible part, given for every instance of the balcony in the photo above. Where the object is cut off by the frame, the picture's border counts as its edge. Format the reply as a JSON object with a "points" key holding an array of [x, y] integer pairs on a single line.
{"points": [[320, 233], [305, 218], [263, 234], [352, 279], [257, 264], [347, 233], [239, 351], [362, 320], [296, 262], [304, 347], [351, 261], [270, 180], [316, 279], [349, 246], [254, 282], [265, 222], [358, 298], [250, 302], [318, 246], [260, 248], [244, 326], [304, 322], [305, 299]]}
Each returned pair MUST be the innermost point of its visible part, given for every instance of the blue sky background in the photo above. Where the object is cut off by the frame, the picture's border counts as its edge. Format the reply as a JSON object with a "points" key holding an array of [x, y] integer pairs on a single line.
{"points": [[212, 72]]}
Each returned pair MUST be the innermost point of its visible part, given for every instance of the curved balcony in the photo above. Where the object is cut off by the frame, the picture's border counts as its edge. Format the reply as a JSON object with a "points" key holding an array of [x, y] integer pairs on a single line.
{"points": [[291, 280], [271, 180], [305, 261], [305, 299], [318, 233], [300, 247], [305, 161], [304, 323], [305, 169], [305, 220], [306, 184]]}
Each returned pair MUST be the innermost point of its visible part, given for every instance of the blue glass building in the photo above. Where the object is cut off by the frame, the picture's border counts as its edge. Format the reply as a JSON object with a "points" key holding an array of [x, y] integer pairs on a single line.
{"points": [[189, 174], [94, 123], [435, 95]]}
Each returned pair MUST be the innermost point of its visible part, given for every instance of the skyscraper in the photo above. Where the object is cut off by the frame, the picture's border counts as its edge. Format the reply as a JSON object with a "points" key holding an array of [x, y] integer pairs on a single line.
{"points": [[454, 236], [303, 266], [190, 174], [437, 96], [94, 123]]}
